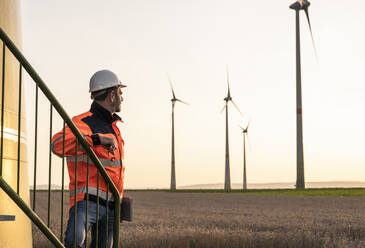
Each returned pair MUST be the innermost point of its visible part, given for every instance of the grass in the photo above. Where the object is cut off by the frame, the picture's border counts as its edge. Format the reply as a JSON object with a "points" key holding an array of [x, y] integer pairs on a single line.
{"points": [[302, 192]]}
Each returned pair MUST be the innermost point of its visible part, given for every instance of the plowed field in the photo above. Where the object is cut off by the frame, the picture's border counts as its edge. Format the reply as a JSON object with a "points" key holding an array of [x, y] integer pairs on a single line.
{"points": [[165, 219]]}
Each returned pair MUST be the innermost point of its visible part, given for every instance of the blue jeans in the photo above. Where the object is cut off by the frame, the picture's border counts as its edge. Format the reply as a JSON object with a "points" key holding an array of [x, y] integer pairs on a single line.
{"points": [[91, 223]]}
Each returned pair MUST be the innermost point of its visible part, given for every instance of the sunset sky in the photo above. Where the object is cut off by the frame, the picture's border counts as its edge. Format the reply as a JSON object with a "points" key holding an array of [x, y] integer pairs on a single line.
{"points": [[143, 40]]}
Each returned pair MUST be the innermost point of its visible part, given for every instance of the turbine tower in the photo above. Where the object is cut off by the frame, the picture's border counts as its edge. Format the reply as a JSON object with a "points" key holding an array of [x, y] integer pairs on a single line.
{"points": [[17, 230], [245, 134], [227, 177], [173, 101], [297, 6]]}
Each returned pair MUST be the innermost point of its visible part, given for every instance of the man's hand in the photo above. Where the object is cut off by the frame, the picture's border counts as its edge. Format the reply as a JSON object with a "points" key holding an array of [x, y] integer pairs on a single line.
{"points": [[108, 143]]}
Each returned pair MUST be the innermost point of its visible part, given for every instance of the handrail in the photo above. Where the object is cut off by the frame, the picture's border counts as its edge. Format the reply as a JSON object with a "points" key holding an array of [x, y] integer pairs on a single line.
{"points": [[29, 212], [37, 79]]}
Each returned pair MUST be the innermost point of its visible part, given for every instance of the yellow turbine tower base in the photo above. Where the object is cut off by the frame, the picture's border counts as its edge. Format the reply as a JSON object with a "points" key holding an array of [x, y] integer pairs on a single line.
{"points": [[16, 233]]}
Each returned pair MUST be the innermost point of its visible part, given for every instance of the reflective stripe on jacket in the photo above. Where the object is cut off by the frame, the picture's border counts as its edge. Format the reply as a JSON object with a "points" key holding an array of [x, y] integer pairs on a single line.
{"points": [[96, 122]]}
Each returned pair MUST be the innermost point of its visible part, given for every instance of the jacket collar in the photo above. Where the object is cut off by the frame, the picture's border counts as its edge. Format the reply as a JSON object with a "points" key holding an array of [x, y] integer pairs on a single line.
{"points": [[104, 114]]}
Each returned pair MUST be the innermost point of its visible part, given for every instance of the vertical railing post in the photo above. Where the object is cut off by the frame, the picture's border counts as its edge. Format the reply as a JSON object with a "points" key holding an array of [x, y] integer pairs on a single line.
{"points": [[117, 202], [35, 147], [87, 198], [63, 177], [19, 126], [50, 165], [75, 195], [107, 214], [97, 210], [2, 111]]}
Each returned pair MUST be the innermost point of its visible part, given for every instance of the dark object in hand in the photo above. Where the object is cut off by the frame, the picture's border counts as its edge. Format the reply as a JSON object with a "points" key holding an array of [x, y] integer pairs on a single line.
{"points": [[126, 208]]}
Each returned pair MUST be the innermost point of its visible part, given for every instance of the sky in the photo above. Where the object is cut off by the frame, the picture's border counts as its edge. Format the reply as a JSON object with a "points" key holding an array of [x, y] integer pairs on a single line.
{"points": [[143, 40]]}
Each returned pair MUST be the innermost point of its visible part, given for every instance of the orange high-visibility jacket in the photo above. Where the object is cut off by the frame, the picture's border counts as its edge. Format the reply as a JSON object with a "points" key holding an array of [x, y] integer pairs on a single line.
{"points": [[92, 124]]}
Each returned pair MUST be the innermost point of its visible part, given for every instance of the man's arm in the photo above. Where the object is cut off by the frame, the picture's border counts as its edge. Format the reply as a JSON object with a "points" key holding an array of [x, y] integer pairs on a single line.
{"points": [[70, 143], [69, 140]]}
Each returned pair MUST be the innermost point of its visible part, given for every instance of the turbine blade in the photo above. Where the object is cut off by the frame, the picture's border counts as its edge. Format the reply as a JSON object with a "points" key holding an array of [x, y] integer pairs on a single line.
{"points": [[229, 91], [248, 124], [225, 106], [241, 127], [237, 107], [310, 29], [172, 89], [182, 101]]}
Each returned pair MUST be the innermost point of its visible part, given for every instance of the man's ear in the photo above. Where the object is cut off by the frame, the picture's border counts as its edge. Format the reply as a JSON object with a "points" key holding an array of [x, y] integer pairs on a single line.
{"points": [[111, 96]]}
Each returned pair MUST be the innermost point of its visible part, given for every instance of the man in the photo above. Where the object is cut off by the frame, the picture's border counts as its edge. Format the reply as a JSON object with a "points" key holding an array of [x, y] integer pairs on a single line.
{"points": [[99, 129]]}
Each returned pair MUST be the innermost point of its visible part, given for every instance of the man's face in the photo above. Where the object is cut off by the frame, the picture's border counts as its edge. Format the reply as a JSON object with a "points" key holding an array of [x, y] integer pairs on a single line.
{"points": [[118, 99]]}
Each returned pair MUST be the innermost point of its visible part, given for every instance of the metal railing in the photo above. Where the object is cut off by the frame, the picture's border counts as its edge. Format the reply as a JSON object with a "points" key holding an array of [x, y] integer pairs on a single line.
{"points": [[54, 104]]}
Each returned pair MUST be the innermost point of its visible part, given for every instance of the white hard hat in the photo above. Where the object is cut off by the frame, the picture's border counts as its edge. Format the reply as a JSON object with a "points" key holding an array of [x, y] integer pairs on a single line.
{"points": [[104, 79]]}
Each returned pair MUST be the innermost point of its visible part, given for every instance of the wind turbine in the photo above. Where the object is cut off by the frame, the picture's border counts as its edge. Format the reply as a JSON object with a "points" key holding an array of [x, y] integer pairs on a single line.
{"points": [[297, 6], [173, 101], [227, 177], [245, 134]]}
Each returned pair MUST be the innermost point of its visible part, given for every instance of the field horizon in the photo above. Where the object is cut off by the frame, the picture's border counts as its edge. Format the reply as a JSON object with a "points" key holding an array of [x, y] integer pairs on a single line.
{"points": [[269, 185]]}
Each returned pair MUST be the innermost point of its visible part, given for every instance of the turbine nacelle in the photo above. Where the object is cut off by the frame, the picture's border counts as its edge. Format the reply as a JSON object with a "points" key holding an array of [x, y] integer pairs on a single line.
{"points": [[228, 98], [300, 5]]}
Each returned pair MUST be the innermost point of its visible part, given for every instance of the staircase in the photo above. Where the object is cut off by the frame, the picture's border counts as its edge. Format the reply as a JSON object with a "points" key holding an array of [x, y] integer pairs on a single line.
{"points": [[13, 190]]}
